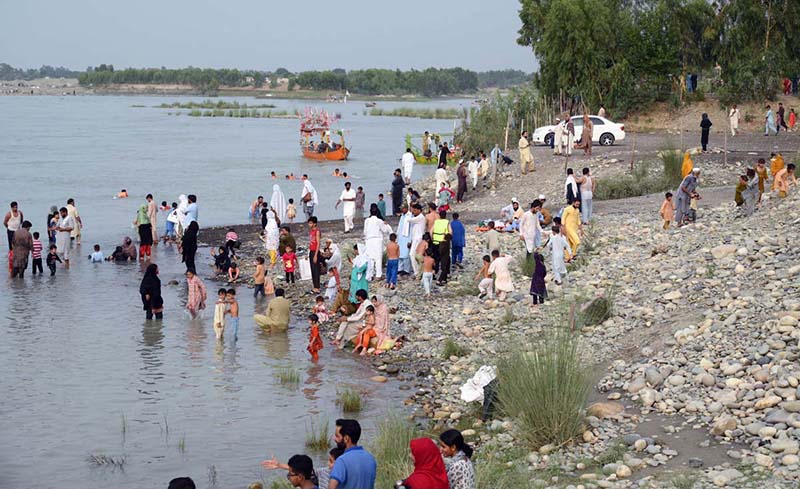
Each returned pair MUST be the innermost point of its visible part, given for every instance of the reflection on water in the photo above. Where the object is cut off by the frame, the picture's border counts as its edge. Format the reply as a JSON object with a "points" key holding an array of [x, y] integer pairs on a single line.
{"points": [[276, 345]]}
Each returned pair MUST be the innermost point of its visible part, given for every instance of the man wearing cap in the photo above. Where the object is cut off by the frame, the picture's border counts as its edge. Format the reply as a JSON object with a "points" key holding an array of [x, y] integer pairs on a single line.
{"points": [[530, 230], [558, 135], [511, 214], [545, 217]]}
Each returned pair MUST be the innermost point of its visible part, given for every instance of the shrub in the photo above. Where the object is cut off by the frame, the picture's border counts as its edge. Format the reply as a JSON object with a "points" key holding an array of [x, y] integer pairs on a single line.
{"points": [[349, 400], [451, 348], [391, 449], [672, 161], [493, 470], [544, 387]]}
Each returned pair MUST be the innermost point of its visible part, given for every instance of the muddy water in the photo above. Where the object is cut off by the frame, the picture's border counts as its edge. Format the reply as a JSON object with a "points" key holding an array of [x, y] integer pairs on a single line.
{"points": [[84, 373]]}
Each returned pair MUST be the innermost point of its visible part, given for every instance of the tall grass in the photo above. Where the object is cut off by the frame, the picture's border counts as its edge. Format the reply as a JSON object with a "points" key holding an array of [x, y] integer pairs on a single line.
{"points": [[242, 113], [644, 179], [391, 449], [492, 469], [419, 113], [102, 460], [349, 400], [544, 386], [317, 435], [287, 376], [210, 104], [453, 349]]}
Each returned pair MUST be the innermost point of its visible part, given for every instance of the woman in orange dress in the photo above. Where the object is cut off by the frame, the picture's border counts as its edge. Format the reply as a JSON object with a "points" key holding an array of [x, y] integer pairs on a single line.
{"points": [[366, 333], [314, 340]]}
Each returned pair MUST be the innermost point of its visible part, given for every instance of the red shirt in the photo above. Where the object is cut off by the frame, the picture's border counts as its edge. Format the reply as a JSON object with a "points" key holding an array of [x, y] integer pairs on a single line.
{"points": [[313, 243], [289, 260]]}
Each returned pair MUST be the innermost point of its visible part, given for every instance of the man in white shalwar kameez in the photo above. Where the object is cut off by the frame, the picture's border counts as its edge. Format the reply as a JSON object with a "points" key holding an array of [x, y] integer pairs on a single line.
{"points": [[348, 201], [559, 249], [441, 176], [529, 228], [472, 168], [558, 135], [408, 161], [404, 241], [375, 230], [416, 223]]}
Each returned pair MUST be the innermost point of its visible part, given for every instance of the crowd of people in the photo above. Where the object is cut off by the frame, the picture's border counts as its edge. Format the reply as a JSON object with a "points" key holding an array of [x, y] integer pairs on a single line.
{"points": [[441, 464]]}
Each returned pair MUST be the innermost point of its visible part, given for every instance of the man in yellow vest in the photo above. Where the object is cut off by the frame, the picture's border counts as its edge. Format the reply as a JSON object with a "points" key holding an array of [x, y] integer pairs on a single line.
{"points": [[441, 227]]}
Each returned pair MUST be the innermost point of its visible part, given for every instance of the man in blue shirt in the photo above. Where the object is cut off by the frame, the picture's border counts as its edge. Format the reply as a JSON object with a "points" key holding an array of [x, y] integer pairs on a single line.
{"points": [[355, 468], [459, 241], [191, 209]]}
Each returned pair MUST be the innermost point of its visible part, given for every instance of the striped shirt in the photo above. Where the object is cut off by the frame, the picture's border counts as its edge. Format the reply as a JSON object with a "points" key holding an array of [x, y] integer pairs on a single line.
{"points": [[37, 249]]}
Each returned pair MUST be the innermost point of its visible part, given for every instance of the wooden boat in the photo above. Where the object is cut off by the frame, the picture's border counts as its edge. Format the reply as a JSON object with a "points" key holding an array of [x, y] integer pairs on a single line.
{"points": [[369, 104], [433, 159], [318, 124], [338, 154]]}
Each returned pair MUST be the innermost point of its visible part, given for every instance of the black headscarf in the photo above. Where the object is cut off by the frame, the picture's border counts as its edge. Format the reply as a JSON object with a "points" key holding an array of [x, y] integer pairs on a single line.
{"points": [[189, 240], [151, 286]]}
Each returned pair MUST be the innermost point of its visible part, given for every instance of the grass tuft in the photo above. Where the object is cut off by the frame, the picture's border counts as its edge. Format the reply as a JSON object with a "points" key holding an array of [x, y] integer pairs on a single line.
{"points": [[349, 400], [390, 448], [98, 460], [419, 113], [544, 386], [317, 435], [451, 348], [288, 376], [644, 179]]}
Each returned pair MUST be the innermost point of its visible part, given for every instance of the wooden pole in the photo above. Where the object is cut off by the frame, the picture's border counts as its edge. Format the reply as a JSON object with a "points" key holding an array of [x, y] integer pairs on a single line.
{"points": [[725, 148], [508, 123], [633, 151]]}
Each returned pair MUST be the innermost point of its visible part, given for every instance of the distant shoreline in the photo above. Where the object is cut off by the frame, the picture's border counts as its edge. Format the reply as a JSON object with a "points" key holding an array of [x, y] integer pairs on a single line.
{"points": [[70, 86]]}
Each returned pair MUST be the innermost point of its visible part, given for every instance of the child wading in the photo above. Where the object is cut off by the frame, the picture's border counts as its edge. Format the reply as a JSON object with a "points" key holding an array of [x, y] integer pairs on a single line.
{"points": [[314, 340], [219, 313], [233, 311], [52, 258], [36, 254]]}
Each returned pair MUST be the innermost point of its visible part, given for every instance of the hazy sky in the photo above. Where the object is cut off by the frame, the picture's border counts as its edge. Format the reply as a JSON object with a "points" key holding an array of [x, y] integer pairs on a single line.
{"points": [[263, 34]]}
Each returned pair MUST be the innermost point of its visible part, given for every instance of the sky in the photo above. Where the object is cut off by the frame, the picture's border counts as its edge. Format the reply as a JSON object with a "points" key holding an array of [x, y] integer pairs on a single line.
{"points": [[263, 34]]}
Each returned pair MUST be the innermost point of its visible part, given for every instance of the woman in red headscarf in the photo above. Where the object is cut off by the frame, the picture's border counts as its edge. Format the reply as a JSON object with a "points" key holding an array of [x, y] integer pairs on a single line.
{"points": [[429, 471]]}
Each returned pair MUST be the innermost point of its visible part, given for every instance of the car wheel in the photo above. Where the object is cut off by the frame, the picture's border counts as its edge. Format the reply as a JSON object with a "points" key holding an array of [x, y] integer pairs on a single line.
{"points": [[548, 140], [606, 139]]}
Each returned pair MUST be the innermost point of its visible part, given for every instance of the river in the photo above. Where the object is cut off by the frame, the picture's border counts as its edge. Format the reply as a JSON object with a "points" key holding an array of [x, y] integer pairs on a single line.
{"points": [[84, 373]]}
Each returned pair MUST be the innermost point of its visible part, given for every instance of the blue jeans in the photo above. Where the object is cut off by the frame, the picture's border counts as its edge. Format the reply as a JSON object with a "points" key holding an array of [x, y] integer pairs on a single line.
{"points": [[457, 254], [170, 229], [391, 271], [427, 280], [235, 324]]}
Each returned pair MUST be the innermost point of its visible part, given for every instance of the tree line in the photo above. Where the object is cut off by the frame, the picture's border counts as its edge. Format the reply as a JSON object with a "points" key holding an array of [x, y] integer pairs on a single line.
{"points": [[8, 72], [626, 54], [428, 82]]}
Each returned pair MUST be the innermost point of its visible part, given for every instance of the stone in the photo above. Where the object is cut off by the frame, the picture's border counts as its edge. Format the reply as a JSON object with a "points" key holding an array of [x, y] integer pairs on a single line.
{"points": [[695, 463], [723, 424], [790, 460], [723, 251], [785, 445], [673, 296], [640, 444], [605, 409], [623, 471], [791, 406], [469, 432], [653, 376], [588, 436], [763, 460], [648, 397], [637, 384], [378, 378], [705, 379], [676, 380], [767, 402]]}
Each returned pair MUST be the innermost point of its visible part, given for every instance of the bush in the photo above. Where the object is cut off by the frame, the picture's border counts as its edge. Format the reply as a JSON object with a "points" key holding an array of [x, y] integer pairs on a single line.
{"points": [[391, 449], [544, 387], [641, 182], [492, 470], [287, 376], [451, 348]]}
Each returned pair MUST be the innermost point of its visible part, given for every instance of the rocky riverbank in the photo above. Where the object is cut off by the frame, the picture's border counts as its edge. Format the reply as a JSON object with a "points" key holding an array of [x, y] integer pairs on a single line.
{"points": [[697, 374]]}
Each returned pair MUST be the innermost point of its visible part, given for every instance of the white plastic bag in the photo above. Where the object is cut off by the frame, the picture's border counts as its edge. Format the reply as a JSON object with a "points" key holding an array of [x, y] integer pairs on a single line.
{"points": [[305, 268], [472, 390]]}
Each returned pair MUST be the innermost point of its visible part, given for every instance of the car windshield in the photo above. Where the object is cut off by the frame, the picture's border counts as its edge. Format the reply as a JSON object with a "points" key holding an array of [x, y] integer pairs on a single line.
{"points": [[577, 121]]}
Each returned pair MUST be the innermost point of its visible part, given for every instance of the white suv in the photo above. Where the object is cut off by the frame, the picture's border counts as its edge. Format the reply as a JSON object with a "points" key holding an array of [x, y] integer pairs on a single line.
{"points": [[605, 132]]}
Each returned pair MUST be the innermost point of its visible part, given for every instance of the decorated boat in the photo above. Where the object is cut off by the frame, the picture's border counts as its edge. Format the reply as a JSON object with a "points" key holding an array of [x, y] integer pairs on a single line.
{"points": [[315, 137], [430, 142]]}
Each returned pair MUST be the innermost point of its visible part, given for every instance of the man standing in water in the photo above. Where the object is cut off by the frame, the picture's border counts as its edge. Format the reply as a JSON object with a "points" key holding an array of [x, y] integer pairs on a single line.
{"points": [[375, 229], [76, 220], [348, 201], [64, 230], [152, 214], [408, 161], [12, 222], [23, 244], [308, 197]]}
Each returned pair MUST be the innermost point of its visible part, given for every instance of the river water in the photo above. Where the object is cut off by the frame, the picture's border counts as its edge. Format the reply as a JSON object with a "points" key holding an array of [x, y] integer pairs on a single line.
{"points": [[84, 373]]}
